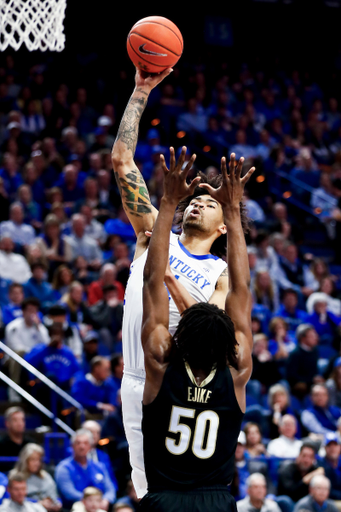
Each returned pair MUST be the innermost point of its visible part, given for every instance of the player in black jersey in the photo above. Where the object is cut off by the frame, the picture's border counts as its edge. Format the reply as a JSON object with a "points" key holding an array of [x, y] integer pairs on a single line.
{"points": [[194, 395]]}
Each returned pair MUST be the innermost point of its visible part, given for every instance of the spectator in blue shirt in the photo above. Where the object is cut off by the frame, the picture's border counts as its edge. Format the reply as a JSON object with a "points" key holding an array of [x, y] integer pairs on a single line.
{"points": [[11, 175], [97, 454], [77, 472], [94, 390], [37, 286], [331, 463], [320, 418], [54, 360], [325, 322], [68, 183], [92, 347], [263, 315], [32, 179], [4, 291], [3, 487], [289, 310], [12, 309]]}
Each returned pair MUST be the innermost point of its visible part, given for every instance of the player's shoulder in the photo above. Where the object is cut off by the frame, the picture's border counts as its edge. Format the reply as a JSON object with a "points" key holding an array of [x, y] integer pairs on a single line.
{"points": [[173, 238]]}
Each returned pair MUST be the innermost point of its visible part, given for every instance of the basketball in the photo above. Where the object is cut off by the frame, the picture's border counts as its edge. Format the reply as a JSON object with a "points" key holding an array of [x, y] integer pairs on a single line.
{"points": [[154, 44]]}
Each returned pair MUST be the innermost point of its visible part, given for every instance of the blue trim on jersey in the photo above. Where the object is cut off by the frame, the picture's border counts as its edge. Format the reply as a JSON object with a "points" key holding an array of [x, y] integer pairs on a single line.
{"points": [[203, 257]]}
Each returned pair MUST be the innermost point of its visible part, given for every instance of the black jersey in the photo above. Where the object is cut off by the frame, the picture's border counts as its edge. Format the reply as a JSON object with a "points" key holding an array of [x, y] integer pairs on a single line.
{"points": [[190, 432]]}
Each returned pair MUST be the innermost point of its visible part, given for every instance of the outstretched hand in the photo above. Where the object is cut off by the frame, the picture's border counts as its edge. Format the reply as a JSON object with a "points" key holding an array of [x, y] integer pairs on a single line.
{"points": [[175, 186], [230, 192], [149, 81]]}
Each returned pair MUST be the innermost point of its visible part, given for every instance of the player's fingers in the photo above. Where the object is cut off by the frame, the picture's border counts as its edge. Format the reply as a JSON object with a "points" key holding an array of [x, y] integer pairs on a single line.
{"points": [[172, 158], [194, 183], [239, 168], [163, 164], [208, 187], [223, 167], [165, 73], [189, 166], [232, 164], [248, 175], [181, 158]]}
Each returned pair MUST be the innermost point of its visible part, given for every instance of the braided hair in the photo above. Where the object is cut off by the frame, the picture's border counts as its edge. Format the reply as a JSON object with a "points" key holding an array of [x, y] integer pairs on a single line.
{"points": [[205, 337]]}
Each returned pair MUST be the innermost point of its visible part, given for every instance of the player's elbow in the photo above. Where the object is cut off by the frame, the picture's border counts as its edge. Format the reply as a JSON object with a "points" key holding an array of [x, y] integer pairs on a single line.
{"points": [[119, 156]]}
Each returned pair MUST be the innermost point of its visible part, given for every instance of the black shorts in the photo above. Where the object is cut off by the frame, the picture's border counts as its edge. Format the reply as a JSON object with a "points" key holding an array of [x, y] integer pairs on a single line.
{"points": [[205, 499]]}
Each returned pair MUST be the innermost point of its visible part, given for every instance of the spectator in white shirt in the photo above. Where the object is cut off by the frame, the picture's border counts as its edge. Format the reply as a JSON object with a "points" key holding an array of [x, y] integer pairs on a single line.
{"points": [[93, 228], [22, 334], [82, 244], [266, 255], [21, 233], [256, 499], [13, 266], [286, 445], [17, 489]]}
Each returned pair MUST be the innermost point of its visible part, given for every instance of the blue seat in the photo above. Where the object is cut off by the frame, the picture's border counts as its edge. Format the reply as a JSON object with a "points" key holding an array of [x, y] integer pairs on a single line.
{"points": [[251, 400], [254, 388], [295, 403], [326, 351]]}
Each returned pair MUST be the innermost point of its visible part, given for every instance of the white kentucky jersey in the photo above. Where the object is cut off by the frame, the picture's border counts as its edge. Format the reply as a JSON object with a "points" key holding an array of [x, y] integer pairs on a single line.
{"points": [[198, 274]]}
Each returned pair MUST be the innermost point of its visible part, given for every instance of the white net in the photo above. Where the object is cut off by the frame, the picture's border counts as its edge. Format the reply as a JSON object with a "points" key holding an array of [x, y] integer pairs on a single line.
{"points": [[36, 23]]}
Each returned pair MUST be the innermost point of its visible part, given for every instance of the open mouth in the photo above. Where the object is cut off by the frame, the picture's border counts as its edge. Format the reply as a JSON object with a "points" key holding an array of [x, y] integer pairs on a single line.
{"points": [[195, 212]]}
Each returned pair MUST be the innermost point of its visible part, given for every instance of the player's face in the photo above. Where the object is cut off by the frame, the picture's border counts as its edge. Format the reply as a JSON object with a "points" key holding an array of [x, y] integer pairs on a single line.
{"points": [[203, 214]]}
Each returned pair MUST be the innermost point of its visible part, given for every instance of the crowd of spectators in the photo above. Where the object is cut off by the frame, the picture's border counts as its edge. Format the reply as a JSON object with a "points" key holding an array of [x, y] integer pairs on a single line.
{"points": [[66, 247]]}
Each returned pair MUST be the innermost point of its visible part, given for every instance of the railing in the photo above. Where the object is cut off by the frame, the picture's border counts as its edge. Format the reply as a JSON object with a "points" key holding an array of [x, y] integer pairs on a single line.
{"points": [[36, 404], [56, 389], [289, 196]]}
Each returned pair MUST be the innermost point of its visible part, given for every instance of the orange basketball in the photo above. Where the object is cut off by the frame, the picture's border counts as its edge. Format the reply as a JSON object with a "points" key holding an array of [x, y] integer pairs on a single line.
{"points": [[154, 44]]}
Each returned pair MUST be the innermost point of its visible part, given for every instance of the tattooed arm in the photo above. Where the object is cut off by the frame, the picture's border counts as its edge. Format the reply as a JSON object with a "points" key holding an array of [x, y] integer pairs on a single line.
{"points": [[132, 187]]}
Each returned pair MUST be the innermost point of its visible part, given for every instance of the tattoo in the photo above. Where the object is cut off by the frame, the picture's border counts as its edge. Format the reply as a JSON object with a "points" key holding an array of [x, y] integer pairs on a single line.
{"points": [[134, 193], [225, 272], [129, 127]]}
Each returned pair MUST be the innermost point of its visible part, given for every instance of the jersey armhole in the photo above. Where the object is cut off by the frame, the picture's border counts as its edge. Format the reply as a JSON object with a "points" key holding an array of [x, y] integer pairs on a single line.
{"points": [[231, 387]]}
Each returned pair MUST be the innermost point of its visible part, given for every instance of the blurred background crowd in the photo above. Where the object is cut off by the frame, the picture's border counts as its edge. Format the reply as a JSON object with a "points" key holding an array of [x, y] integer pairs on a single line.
{"points": [[66, 247]]}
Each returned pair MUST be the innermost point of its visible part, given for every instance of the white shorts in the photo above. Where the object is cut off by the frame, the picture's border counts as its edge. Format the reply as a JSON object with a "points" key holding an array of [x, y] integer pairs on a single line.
{"points": [[132, 394]]}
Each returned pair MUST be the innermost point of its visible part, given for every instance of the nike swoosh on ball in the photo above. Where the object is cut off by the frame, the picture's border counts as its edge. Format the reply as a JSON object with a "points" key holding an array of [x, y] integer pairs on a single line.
{"points": [[148, 52]]}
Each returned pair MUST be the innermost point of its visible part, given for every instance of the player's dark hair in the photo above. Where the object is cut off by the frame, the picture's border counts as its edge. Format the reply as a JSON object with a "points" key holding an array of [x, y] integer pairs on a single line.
{"points": [[218, 247], [205, 337]]}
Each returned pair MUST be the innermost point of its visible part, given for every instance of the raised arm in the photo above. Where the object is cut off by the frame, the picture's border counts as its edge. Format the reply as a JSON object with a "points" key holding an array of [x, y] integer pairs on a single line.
{"points": [[132, 187], [156, 340], [238, 302], [183, 299]]}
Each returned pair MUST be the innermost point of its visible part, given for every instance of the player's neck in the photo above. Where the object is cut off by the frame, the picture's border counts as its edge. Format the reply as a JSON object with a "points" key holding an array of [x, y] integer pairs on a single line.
{"points": [[200, 375], [196, 243]]}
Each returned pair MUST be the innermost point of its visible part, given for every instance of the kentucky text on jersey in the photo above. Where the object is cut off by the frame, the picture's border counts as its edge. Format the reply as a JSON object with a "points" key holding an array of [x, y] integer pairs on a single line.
{"points": [[184, 268]]}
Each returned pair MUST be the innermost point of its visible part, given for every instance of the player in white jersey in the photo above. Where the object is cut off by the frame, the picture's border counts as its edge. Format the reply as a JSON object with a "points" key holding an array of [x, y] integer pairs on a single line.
{"points": [[197, 273]]}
